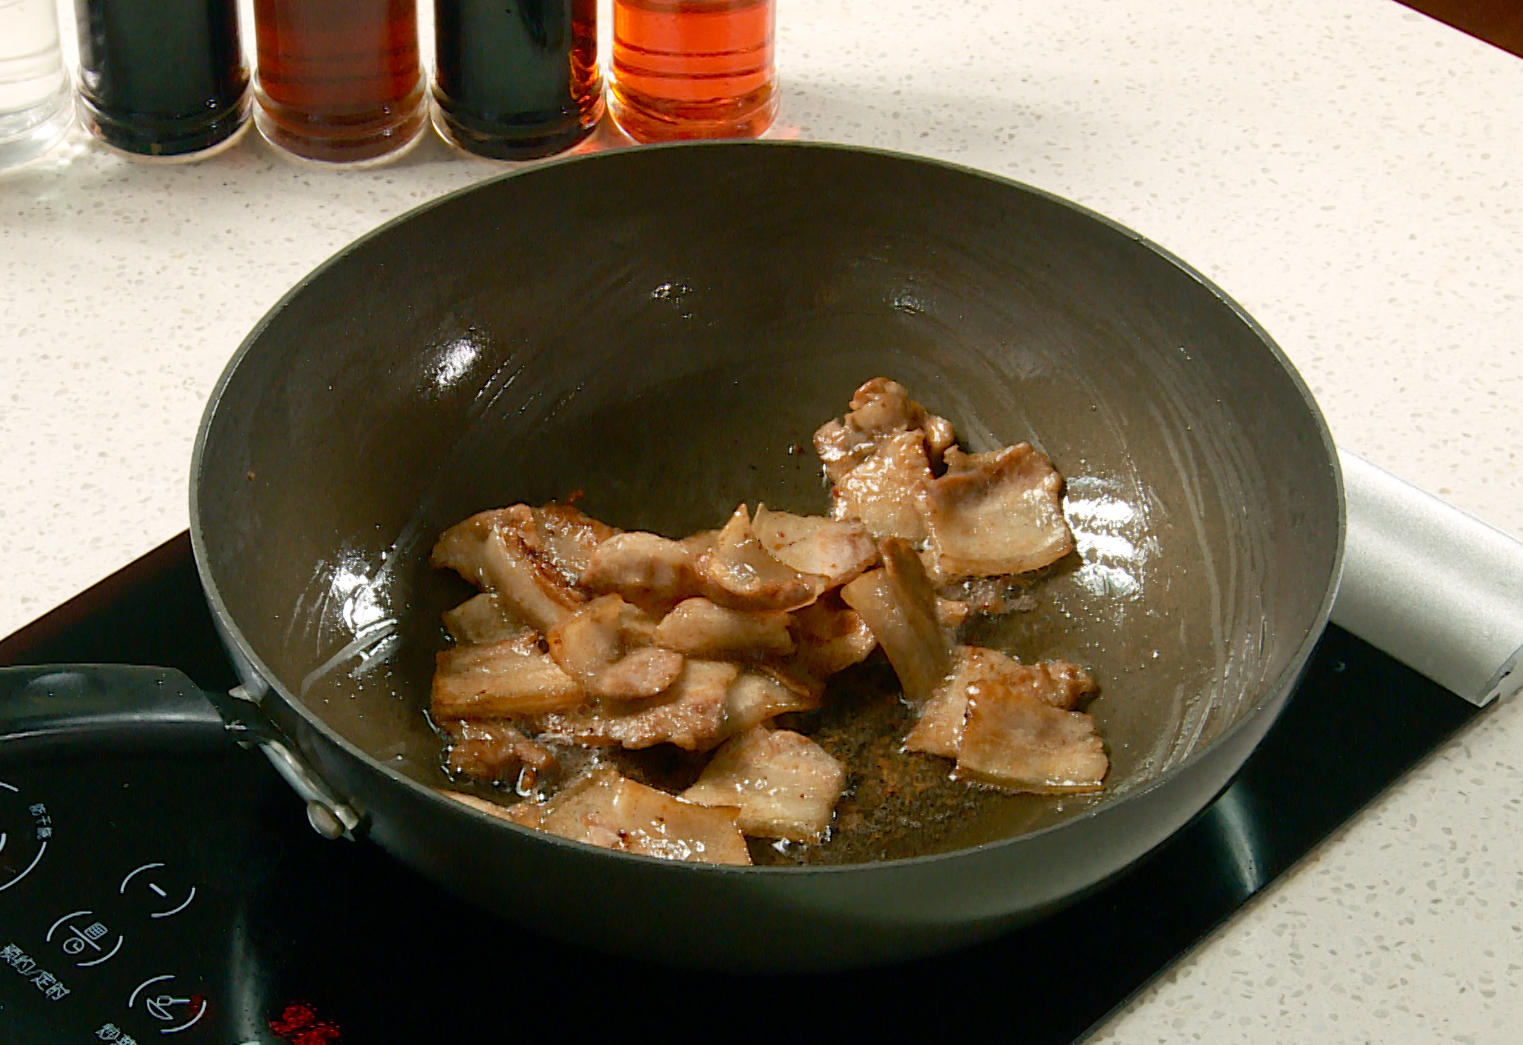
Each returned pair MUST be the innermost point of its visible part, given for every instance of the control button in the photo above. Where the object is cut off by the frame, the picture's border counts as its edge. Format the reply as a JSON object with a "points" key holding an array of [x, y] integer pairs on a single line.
{"points": [[165, 901], [163, 1002], [25, 830], [79, 934]]}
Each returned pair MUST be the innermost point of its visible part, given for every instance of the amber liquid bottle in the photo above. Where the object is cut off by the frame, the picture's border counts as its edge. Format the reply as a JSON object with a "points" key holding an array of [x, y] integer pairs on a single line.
{"points": [[338, 81], [516, 81], [693, 68]]}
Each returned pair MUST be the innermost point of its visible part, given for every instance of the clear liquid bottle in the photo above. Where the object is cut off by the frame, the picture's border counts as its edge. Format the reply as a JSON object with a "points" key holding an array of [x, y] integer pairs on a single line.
{"points": [[36, 98], [693, 68], [162, 78], [339, 81], [516, 81]]}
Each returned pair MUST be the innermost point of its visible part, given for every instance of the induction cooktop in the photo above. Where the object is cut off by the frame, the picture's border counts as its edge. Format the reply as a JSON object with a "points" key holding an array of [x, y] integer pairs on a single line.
{"points": [[151, 898]]}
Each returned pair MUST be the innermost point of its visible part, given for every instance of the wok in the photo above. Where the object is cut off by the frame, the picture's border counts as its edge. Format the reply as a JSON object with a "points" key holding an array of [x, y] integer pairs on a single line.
{"points": [[662, 328]]}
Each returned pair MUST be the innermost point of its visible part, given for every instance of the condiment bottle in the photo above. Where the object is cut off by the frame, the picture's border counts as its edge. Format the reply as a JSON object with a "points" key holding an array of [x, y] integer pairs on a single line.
{"points": [[36, 98], [516, 81], [693, 68], [338, 81], [162, 77]]}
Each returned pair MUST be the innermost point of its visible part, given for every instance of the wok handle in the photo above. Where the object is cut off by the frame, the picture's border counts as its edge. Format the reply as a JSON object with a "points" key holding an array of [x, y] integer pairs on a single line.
{"points": [[70, 709], [66, 709]]}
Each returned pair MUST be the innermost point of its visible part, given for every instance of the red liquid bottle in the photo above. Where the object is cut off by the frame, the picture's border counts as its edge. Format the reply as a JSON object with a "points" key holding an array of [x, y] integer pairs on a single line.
{"points": [[339, 81], [693, 68]]}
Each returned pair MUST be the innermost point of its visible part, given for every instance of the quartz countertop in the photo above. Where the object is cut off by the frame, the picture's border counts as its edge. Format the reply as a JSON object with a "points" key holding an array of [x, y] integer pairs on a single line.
{"points": [[1350, 171]]}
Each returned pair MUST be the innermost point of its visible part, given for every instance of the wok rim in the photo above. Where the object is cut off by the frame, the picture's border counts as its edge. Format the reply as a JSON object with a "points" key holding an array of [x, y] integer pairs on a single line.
{"points": [[1271, 692]]}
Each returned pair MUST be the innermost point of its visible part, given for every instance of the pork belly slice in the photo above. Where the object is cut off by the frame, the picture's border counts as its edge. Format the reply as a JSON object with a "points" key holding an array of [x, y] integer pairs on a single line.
{"points": [[784, 784], [939, 731], [831, 637], [739, 573], [644, 568], [481, 619], [494, 751], [1017, 736], [885, 492], [952, 614], [899, 606], [488, 550], [500, 680], [524, 814], [1057, 683], [699, 628], [605, 647], [646, 672], [835, 549], [611, 811], [996, 513], [690, 714], [614, 812], [561, 536], [880, 408], [756, 697]]}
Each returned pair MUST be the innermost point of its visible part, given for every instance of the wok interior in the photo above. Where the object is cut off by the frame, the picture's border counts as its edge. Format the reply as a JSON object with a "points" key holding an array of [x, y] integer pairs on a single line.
{"points": [[663, 330]]}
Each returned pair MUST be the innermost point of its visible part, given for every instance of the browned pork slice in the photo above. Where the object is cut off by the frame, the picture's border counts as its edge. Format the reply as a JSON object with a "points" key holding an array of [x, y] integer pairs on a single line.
{"points": [[1017, 736], [699, 628], [690, 713], [880, 408], [831, 637], [611, 811], [646, 569], [835, 549], [483, 618], [494, 751], [784, 784], [739, 573], [996, 513], [756, 697], [488, 550], [605, 646], [885, 492], [500, 680], [939, 731], [524, 814], [899, 606], [561, 538], [952, 614], [646, 672]]}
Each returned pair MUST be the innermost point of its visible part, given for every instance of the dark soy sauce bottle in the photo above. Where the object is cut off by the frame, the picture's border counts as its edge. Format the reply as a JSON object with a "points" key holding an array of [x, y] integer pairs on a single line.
{"points": [[162, 77], [516, 79]]}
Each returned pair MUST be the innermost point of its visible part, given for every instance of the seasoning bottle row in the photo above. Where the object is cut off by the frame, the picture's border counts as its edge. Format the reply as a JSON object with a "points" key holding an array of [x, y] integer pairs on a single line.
{"points": [[341, 81]]}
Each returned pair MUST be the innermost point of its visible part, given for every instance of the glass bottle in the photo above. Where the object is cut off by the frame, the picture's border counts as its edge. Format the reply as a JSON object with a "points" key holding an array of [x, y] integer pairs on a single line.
{"points": [[162, 77], [516, 81], [338, 81], [693, 68], [36, 98]]}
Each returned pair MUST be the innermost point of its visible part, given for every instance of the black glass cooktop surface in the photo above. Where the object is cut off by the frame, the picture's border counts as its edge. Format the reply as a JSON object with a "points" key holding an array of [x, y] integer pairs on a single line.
{"points": [[156, 899]]}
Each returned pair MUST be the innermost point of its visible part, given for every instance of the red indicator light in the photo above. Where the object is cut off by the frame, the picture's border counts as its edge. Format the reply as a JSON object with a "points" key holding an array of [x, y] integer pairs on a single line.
{"points": [[298, 1024]]}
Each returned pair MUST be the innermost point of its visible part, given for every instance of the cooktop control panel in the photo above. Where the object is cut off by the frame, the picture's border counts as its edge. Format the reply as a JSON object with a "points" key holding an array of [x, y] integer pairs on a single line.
{"points": [[120, 900]]}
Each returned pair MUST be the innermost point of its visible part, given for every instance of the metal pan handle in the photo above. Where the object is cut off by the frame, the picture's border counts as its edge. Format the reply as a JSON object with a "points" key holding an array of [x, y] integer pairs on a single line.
{"points": [[63, 710]]}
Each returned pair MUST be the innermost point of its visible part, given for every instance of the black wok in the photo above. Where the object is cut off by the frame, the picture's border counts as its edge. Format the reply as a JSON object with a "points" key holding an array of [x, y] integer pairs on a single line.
{"points": [[660, 328]]}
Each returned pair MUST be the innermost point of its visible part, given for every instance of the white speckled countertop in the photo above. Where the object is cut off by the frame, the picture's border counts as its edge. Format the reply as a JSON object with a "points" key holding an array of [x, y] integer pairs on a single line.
{"points": [[1350, 171]]}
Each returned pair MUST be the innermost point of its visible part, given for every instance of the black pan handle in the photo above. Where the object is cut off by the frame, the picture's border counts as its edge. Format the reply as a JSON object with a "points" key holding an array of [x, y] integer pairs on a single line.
{"points": [[64, 710], [68, 709]]}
